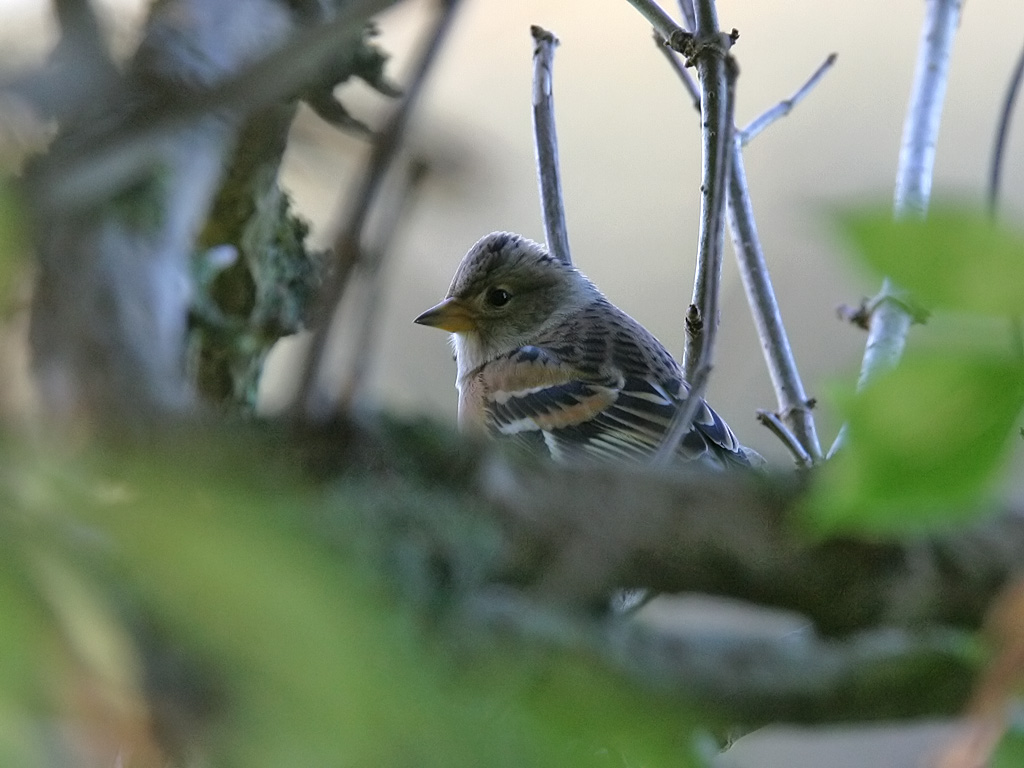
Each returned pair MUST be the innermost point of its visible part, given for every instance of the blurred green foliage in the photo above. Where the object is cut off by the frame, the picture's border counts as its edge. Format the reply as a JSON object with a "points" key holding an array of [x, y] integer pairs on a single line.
{"points": [[290, 648], [928, 441], [957, 258], [13, 242]]}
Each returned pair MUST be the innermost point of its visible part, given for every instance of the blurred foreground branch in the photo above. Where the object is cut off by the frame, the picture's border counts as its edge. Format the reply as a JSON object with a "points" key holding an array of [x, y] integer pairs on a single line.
{"points": [[119, 198], [565, 538]]}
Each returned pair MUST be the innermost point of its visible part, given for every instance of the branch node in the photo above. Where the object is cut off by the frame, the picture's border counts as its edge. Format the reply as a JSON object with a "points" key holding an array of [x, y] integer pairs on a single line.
{"points": [[860, 315], [773, 422], [694, 321]]}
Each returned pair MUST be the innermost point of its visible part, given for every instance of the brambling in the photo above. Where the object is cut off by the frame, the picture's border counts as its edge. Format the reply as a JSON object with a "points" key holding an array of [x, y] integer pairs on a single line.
{"points": [[545, 358]]}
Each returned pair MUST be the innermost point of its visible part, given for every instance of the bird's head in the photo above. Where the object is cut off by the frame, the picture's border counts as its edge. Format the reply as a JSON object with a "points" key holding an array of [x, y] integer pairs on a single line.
{"points": [[506, 291]]}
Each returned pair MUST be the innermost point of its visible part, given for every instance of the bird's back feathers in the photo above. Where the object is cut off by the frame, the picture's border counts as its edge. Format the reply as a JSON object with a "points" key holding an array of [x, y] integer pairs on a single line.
{"points": [[595, 385]]}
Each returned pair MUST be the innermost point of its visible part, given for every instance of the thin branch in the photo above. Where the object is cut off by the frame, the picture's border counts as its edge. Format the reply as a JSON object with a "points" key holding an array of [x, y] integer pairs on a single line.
{"points": [[661, 21], [995, 178], [686, 9], [793, 402], [789, 388], [546, 142], [784, 107], [372, 271], [781, 431], [681, 71], [718, 73], [347, 244], [754, 678], [1002, 134], [682, 420], [890, 320]]}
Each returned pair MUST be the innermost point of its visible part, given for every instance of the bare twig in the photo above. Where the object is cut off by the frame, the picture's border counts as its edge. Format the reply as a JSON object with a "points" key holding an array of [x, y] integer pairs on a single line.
{"points": [[757, 282], [371, 268], [717, 73], [995, 177], [546, 142], [1003, 132], [663, 24], [681, 71], [890, 320], [364, 191], [789, 389], [686, 9], [784, 107], [682, 420], [781, 431]]}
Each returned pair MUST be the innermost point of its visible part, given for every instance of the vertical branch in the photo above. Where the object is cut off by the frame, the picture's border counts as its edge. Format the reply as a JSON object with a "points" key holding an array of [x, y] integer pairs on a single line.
{"points": [[546, 141], [709, 50], [890, 317], [347, 244], [717, 71], [798, 433]]}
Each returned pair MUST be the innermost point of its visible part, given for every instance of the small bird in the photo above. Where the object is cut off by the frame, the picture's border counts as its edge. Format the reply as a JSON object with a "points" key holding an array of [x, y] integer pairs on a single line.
{"points": [[545, 358]]}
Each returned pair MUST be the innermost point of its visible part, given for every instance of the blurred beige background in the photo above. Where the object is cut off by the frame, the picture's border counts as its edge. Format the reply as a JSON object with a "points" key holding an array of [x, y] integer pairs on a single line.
{"points": [[630, 162]]}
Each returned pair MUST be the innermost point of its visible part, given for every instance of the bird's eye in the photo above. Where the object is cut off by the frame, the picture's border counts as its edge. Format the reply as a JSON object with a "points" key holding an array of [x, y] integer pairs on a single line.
{"points": [[498, 297]]}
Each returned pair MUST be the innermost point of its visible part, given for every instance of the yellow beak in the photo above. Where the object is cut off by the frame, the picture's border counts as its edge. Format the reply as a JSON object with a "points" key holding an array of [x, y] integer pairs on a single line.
{"points": [[450, 315]]}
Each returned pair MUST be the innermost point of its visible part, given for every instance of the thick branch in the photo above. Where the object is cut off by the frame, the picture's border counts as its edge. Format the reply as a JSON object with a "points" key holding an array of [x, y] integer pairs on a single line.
{"points": [[537, 536], [572, 535], [546, 143]]}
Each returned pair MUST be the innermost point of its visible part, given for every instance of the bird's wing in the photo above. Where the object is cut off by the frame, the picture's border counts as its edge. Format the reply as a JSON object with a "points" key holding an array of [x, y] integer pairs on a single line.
{"points": [[599, 414]]}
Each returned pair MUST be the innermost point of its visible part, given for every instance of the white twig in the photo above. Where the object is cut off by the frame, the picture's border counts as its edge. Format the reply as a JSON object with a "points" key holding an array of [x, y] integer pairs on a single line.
{"points": [[784, 107], [890, 319], [546, 143]]}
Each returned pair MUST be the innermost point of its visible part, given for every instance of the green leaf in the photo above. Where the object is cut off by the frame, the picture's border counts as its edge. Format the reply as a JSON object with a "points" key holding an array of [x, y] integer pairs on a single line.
{"points": [[1010, 752], [925, 444], [957, 258], [317, 664], [12, 242]]}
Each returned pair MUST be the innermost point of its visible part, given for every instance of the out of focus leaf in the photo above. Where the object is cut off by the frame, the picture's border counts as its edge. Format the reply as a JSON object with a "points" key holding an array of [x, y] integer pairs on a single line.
{"points": [[957, 258], [926, 442], [12, 241], [316, 663], [1010, 752]]}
